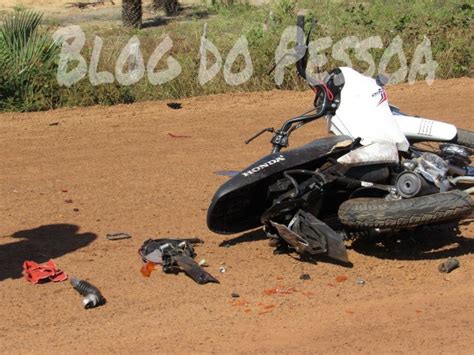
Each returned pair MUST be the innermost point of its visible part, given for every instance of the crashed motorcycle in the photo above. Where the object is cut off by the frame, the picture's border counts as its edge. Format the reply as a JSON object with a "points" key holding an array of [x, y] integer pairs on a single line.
{"points": [[371, 175]]}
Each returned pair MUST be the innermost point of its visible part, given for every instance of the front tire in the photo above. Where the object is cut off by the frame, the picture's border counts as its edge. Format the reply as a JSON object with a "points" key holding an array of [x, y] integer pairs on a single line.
{"points": [[368, 213]]}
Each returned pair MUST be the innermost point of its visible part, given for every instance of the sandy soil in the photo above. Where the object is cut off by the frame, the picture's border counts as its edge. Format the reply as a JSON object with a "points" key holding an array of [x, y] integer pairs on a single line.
{"points": [[123, 172]]}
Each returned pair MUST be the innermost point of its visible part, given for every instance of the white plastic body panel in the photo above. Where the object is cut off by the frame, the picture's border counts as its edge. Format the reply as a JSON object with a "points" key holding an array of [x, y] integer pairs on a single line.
{"points": [[425, 129], [364, 112], [374, 153]]}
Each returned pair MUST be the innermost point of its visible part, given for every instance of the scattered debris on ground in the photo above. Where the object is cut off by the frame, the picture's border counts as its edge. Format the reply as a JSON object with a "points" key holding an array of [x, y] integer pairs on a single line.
{"points": [[92, 296], [203, 263], [279, 291], [174, 255], [341, 278], [449, 265], [40, 273], [118, 236]]}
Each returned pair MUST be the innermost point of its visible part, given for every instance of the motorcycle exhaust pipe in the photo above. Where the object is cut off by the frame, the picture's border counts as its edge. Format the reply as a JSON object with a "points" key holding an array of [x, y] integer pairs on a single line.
{"points": [[463, 180]]}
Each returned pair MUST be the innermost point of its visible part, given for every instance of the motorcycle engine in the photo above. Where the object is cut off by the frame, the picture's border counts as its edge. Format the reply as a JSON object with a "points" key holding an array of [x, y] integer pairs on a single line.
{"points": [[434, 169], [428, 167]]}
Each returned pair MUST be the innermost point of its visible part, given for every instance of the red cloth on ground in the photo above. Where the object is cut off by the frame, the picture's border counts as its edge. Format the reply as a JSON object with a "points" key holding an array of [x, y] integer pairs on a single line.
{"points": [[35, 272]]}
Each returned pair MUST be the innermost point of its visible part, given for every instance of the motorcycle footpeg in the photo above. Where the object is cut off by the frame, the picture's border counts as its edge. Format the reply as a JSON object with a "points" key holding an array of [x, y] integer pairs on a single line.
{"points": [[309, 235]]}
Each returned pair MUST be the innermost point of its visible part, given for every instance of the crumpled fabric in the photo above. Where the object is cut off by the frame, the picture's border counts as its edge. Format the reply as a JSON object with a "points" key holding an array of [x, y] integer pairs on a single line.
{"points": [[36, 273]]}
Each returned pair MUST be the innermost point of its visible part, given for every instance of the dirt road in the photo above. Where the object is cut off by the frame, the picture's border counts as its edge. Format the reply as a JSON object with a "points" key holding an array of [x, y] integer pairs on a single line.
{"points": [[71, 176]]}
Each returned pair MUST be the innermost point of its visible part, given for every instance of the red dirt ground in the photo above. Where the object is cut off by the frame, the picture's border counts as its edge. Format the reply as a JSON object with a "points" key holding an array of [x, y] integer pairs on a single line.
{"points": [[124, 172]]}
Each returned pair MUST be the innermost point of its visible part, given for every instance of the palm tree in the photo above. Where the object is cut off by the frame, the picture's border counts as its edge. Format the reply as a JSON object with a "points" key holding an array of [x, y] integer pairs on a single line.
{"points": [[132, 13]]}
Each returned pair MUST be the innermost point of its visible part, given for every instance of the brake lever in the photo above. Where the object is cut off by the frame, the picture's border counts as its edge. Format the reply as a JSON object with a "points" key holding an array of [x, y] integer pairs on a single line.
{"points": [[269, 129]]}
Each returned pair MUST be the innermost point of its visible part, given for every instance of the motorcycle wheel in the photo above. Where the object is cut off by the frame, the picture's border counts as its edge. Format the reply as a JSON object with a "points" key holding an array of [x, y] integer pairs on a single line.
{"points": [[465, 138], [367, 213]]}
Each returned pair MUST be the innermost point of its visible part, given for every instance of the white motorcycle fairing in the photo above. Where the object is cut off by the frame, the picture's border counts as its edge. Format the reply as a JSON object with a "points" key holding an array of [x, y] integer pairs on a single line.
{"points": [[364, 112], [419, 128]]}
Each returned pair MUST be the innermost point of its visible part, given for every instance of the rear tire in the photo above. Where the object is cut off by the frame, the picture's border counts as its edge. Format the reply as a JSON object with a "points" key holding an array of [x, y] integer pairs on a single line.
{"points": [[465, 138], [368, 213]]}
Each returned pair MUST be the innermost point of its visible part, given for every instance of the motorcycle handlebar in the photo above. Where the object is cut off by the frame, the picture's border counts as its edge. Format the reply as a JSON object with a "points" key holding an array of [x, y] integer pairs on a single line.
{"points": [[280, 138]]}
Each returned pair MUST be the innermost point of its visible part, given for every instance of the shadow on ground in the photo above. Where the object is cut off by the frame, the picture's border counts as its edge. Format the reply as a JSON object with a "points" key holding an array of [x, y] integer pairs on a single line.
{"points": [[248, 237], [40, 244], [155, 22], [436, 242], [259, 234]]}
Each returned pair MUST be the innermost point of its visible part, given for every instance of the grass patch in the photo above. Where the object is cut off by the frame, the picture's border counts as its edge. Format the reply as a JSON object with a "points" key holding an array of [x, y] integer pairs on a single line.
{"points": [[446, 23]]}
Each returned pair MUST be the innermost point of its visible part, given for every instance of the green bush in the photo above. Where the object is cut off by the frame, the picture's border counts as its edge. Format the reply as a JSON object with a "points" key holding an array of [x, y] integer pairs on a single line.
{"points": [[27, 63]]}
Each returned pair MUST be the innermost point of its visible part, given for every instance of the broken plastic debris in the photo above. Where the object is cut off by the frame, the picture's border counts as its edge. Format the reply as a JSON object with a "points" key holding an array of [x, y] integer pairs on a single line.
{"points": [[222, 269], [341, 278], [360, 281], [118, 236], [279, 291], [239, 302], [147, 268], [203, 263], [448, 265]]}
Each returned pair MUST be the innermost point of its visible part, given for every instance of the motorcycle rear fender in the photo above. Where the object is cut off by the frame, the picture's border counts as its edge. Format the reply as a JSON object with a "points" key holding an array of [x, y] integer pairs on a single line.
{"points": [[419, 128]]}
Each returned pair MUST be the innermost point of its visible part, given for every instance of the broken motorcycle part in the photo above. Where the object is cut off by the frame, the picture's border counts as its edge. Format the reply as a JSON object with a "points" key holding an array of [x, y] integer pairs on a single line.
{"points": [[176, 255], [307, 234], [449, 265], [118, 236], [92, 296]]}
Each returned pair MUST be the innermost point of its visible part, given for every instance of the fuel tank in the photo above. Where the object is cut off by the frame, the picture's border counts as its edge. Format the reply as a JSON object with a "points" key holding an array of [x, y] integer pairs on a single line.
{"points": [[239, 203]]}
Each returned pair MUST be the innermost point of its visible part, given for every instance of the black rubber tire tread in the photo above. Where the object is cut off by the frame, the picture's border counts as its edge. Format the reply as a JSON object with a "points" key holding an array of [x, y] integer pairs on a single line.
{"points": [[363, 213], [465, 138]]}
